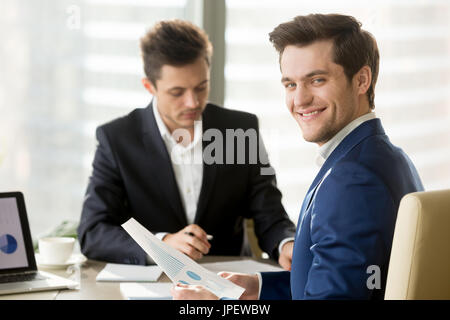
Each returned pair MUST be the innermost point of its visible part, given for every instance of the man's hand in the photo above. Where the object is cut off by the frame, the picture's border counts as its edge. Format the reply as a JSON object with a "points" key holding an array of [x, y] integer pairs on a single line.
{"points": [[285, 259], [193, 246], [191, 292], [249, 282]]}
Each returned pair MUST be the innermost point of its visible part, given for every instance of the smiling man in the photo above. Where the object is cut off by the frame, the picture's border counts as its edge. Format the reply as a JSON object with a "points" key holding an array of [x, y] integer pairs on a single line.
{"points": [[318, 94], [149, 166], [329, 68]]}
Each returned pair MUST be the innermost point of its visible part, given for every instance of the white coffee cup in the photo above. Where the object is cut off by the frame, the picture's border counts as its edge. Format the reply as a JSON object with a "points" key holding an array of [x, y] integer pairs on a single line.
{"points": [[56, 250]]}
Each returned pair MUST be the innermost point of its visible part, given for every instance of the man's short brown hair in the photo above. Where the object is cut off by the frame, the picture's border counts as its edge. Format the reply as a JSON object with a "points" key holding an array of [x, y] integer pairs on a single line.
{"points": [[353, 47], [173, 42]]}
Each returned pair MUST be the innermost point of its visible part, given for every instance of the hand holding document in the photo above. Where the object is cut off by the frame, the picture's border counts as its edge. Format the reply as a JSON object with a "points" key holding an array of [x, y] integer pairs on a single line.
{"points": [[179, 267]]}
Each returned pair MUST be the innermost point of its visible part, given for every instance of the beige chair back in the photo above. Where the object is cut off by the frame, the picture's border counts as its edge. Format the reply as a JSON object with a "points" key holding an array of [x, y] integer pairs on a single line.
{"points": [[419, 266]]}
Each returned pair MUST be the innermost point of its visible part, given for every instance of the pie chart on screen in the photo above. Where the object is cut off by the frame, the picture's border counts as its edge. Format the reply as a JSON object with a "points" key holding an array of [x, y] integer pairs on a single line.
{"points": [[8, 244]]}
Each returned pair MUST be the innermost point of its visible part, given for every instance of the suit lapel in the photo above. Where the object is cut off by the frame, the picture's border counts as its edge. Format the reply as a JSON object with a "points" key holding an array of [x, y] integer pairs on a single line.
{"points": [[308, 199], [363, 131], [209, 170], [160, 165]]}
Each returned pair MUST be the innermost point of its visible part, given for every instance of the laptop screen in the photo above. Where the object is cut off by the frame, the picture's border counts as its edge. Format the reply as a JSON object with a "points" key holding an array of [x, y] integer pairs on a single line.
{"points": [[14, 233]]}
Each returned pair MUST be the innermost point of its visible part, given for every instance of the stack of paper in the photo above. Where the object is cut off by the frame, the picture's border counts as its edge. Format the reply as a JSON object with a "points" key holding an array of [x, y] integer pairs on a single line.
{"points": [[129, 273], [146, 291]]}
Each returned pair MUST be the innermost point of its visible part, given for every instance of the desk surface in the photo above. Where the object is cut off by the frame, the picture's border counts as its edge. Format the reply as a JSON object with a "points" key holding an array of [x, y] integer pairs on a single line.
{"points": [[90, 289]]}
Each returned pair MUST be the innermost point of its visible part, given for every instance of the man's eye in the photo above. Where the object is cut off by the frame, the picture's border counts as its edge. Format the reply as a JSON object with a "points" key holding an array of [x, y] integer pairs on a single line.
{"points": [[289, 85], [200, 89], [176, 93], [318, 80]]}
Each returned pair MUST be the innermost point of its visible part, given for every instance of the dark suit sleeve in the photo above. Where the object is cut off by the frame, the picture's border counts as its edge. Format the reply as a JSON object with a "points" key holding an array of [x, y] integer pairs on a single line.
{"points": [[352, 223], [275, 286], [272, 224], [104, 210]]}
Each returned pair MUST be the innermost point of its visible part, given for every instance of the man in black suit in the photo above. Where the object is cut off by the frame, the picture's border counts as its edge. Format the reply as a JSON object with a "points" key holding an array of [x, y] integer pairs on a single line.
{"points": [[173, 167]]}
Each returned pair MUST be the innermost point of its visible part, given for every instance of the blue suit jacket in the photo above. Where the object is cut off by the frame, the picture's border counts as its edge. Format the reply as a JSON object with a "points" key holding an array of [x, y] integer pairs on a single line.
{"points": [[347, 220]]}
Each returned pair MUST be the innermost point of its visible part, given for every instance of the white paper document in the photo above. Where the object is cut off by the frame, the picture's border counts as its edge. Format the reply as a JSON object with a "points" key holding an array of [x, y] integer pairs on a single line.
{"points": [[179, 267], [129, 273], [146, 291]]}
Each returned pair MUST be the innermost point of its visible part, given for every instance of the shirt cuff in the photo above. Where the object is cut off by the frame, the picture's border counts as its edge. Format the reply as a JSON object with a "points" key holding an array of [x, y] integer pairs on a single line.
{"points": [[283, 242], [161, 235], [260, 283]]}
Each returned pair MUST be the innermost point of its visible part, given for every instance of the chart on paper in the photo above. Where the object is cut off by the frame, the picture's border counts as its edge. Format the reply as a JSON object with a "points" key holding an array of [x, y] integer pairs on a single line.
{"points": [[179, 267]]}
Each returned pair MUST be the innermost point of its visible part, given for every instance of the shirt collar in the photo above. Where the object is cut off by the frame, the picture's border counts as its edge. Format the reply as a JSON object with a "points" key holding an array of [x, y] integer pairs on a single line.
{"points": [[326, 149], [165, 133]]}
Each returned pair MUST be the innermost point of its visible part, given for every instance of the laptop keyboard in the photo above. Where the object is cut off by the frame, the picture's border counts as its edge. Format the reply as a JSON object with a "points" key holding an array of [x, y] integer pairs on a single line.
{"points": [[21, 277]]}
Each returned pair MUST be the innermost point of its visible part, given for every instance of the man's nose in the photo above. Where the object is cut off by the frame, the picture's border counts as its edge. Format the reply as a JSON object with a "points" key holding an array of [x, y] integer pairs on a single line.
{"points": [[191, 99], [303, 97]]}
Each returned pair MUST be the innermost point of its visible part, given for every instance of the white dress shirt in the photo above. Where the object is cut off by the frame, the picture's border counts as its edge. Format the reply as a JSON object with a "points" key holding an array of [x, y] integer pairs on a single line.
{"points": [[187, 164], [327, 148]]}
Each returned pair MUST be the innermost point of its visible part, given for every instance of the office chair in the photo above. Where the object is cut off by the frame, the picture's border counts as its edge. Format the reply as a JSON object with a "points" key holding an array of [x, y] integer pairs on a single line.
{"points": [[252, 239], [419, 266]]}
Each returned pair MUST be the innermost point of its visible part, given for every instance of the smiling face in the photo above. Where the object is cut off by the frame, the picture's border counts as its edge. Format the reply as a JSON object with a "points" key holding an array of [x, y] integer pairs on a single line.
{"points": [[182, 93], [318, 94]]}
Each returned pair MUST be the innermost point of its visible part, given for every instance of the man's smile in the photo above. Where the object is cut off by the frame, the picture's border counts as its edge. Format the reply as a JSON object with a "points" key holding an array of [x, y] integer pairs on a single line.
{"points": [[309, 114]]}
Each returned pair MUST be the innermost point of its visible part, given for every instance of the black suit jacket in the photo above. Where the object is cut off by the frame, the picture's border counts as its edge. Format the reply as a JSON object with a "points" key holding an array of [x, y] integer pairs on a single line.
{"points": [[133, 177]]}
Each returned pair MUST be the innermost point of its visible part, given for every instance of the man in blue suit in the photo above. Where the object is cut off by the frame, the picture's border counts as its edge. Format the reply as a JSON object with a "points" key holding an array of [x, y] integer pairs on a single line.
{"points": [[329, 68]]}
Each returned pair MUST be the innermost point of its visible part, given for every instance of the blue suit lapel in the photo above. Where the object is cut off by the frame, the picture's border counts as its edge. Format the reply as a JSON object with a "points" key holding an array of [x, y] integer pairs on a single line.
{"points": [[366, 129]]}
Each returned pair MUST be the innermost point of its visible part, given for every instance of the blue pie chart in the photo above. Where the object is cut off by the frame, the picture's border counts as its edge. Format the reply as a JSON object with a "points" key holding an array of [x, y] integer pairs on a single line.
{"points": [[8, 244]]}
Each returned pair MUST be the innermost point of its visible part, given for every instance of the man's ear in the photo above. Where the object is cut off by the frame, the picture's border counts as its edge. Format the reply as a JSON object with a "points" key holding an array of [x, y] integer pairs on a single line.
{"points": [[148, 85], [363, 79]]}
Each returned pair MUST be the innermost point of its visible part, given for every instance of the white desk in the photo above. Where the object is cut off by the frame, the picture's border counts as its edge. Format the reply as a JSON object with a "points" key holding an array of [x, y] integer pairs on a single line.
{"points": [[90, 289]]}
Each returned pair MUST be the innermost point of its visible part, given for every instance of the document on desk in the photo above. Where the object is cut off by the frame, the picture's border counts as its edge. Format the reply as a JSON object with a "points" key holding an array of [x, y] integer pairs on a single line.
{"points": [[179, 267], [129, 273], [146, 291]]}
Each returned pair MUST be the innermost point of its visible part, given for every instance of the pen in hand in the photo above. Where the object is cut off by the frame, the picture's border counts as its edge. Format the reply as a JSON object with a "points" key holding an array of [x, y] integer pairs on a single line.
{"points": [[208, 236]]}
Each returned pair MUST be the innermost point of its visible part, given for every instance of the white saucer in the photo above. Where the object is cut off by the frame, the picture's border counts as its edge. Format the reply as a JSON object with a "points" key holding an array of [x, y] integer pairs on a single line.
{"points": [[74, 259]]}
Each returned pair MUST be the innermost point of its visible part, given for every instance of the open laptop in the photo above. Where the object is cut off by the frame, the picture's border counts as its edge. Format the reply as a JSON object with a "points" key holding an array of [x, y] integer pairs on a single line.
{"points": [[18, 271]]}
